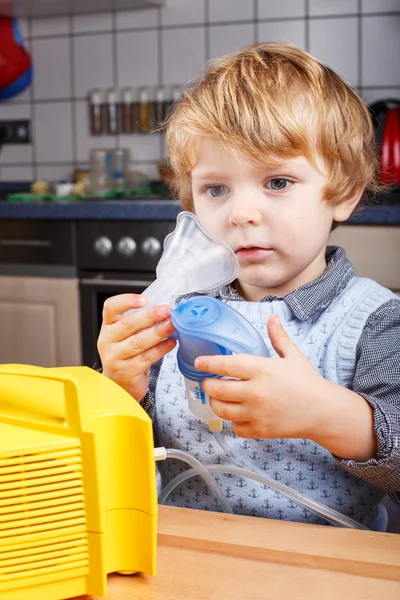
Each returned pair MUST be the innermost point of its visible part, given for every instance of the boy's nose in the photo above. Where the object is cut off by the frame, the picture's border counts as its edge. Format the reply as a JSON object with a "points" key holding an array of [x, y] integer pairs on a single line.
{"points": [[245, 212]]}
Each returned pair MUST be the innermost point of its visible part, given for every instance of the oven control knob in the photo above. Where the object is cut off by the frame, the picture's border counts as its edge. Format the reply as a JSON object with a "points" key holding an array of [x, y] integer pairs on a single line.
{"points": [[126, 246], [151, 246], [103, 246]]}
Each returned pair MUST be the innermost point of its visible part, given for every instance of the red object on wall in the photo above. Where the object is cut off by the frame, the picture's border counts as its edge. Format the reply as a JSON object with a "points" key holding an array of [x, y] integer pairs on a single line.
{"points": [[386, 119], [390, 151], [15, 62]]}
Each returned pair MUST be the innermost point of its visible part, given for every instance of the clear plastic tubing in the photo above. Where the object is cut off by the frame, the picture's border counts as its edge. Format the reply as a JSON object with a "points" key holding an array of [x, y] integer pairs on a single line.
{"points": [[199, 468], [327, 513]]}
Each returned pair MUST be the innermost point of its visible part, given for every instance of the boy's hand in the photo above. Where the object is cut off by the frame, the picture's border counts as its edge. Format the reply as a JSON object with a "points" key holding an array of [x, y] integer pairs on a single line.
{"points": [[129, 345], [274, 397]]}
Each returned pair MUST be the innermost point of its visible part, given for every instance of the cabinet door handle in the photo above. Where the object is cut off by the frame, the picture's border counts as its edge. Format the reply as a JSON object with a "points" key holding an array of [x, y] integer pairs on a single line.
{"points": [[27, 243], [114, 282]]}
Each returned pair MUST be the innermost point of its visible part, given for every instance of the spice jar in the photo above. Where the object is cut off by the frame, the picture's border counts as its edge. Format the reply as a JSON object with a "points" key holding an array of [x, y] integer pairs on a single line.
{"points": [[129, 110], [147, 117], [112, 111], [96, 113]]}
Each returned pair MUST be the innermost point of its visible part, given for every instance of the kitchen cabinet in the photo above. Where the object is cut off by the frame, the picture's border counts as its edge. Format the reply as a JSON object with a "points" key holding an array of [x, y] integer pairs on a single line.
{"points": [[46, 8], [39, 321], [373, 250]]}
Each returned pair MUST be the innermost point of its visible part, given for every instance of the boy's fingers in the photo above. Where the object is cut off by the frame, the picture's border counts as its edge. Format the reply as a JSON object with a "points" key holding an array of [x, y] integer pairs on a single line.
{"points": [[240, 366], [226, 390], [115, 306], [139, 364], [244, 430], [145, 339], [143, 319], [229, 411]]}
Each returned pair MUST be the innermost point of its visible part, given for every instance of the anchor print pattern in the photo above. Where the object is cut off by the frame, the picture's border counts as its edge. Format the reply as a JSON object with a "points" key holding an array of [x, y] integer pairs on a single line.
{"points": [[299, 463]]}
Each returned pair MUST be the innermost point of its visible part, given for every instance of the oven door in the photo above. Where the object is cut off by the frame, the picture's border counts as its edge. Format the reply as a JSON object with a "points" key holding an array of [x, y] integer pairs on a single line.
{"points": [[95, 288]]}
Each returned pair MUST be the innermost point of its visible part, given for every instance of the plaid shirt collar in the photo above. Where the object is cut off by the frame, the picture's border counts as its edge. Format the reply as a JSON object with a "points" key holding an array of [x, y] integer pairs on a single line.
{"points": [[313, 296]]}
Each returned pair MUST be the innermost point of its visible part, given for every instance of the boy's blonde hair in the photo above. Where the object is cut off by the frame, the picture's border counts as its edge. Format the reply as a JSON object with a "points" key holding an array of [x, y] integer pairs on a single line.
{"points": [[269, 102]]}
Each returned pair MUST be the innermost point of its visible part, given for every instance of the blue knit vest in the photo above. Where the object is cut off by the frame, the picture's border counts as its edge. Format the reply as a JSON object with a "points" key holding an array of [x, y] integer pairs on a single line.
{"points": [[329, 340]]}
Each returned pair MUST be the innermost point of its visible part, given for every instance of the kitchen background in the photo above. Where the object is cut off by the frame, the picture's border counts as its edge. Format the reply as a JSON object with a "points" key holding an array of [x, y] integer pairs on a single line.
{"points": [[60, 260], [170, 45]]}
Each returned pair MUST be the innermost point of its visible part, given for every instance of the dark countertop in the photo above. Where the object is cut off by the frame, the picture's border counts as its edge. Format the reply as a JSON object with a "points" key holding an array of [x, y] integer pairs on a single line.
{"points": [[114, 210], [155, 210]]}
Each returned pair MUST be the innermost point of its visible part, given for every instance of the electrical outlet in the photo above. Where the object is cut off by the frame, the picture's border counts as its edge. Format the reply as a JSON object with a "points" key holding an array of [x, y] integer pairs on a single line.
{"points": [[15, 132]]}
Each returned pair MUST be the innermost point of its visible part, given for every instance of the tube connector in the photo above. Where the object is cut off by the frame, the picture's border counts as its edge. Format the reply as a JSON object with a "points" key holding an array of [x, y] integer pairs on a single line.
{"points": [[160, 454], [215, 425]]}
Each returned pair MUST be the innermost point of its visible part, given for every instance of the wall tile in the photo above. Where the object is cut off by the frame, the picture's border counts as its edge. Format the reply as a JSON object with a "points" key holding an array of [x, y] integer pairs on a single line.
{"points": [[84, 141], [381, 50], [50, 26], [370, 96], [93, 63], [137, 58], [53, 132], [231, 10], [16, 173], [329, 7], [182, 12], [183, 53], [283, 8], [379, 6], [143, 147], [87, 23], [225, 39], [290, 32], [54, 173], [51, 59], [136, 19], [335, 42]]}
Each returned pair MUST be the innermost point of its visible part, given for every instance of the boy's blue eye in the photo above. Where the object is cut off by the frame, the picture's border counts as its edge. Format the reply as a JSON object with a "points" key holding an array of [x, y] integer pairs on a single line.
{"points": [[216, 191], [278, 183]]}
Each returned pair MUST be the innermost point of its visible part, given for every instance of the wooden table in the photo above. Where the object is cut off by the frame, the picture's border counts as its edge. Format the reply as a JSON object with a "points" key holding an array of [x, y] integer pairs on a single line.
{"points": [[204, 556]]}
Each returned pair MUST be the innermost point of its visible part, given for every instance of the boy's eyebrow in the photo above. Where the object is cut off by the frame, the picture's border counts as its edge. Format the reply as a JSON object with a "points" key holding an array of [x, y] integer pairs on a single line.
{"points": [[207, 175]]}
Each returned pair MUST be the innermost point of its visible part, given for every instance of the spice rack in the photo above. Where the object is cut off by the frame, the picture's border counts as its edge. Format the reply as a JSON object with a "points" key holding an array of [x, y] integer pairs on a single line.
{"points": [[130, 110]]}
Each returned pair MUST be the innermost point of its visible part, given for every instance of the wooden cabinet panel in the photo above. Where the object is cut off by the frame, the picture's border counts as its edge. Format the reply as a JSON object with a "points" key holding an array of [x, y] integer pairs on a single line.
{"points": [[374, 251], [39, 321]]}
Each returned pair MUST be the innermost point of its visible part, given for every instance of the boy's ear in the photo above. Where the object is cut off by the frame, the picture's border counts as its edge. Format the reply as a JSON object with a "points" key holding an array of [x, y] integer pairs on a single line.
{"points": [[343, 210]]}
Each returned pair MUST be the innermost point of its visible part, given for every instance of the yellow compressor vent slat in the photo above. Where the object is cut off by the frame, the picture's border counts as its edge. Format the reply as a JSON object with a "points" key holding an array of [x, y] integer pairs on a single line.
{"points": [[38, 550], [33, 545], [53, 512], [41, 481], [56, 569], [64, 486], [36, 501], [23, 476], [42, 538], [44, 456]]}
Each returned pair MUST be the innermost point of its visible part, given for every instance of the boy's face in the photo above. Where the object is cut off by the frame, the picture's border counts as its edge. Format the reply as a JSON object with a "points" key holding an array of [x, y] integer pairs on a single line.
{"points": [[273, 218]]}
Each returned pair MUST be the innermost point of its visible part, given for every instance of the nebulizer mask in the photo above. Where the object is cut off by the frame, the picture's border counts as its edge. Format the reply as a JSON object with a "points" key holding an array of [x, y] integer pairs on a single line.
{"points": [[195, 261]]}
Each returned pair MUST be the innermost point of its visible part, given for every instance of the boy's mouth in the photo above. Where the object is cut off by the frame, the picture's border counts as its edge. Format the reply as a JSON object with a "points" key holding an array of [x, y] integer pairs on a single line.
{"points": [[251, 252]]}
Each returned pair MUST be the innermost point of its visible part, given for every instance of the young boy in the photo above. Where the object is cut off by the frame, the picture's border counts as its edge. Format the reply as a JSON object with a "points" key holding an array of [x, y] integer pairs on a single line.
{"points": [[271, 150]]}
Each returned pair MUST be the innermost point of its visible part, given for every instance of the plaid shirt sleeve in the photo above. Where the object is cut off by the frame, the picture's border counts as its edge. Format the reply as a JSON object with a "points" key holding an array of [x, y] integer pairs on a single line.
{"points": [[377, 379], [148, 400]]}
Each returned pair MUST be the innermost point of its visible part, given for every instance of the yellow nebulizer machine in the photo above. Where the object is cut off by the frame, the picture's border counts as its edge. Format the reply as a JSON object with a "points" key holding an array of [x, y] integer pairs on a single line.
{"points": [[78, 496]]}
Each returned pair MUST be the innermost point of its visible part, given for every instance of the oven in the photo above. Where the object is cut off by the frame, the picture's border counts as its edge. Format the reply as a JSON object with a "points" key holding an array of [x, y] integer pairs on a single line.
{"points": [[114, 257]]}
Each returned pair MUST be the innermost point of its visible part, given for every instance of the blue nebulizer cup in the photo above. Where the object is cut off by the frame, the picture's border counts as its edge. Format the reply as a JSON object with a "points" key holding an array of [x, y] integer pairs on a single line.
{"points": [[206, 326]]}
